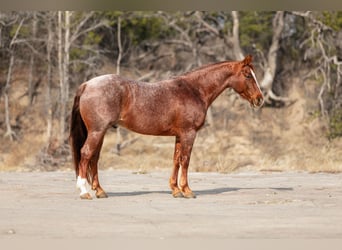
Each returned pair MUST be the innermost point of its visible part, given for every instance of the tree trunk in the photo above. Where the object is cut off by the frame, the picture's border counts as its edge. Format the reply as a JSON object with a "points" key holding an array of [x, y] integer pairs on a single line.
{"points": [[48, 102], [66, 58], [31, 87], [235, 39], [9, 132], [120, 143], [278, 25], [63, 68], [118, 61], [271, 66], [61, 76]]}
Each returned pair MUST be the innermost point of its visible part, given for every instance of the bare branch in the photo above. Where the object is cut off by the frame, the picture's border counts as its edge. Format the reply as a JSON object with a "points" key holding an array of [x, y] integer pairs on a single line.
{"points": [[16, 33], [271, 95], [79, 31], [146, 76], [206, 25], [309, 15], [76, 33], [180, 42], [321, 92], [318, 49], [30, 46]]}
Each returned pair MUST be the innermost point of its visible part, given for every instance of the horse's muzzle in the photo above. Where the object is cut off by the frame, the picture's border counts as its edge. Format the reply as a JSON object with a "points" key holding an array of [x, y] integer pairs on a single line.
{"points": [[257, 102]]}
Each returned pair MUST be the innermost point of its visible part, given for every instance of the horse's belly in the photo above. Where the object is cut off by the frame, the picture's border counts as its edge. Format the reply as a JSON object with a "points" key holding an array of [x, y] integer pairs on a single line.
{"points": [[147, 127]]}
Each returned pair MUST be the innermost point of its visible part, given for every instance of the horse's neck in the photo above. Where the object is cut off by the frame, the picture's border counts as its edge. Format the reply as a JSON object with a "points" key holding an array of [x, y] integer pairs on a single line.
{"points": [[211, 81]]}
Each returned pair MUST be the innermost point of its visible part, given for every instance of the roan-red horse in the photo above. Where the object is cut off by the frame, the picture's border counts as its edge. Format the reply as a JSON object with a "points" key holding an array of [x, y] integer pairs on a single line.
{"points": [[174, 107]]}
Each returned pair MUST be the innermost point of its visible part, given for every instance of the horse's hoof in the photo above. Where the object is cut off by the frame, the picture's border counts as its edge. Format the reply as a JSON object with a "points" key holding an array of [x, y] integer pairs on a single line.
{"points": [[189, 195], [177, 194], [101, 194], [86, 196]]}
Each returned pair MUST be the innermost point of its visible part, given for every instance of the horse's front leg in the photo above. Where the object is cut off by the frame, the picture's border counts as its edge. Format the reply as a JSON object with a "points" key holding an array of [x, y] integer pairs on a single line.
{"points": [[176, 192], [187, 142]]}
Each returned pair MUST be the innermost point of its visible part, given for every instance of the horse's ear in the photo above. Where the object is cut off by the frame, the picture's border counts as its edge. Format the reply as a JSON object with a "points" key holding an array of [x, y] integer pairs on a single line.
{"points": [[247, 60]]}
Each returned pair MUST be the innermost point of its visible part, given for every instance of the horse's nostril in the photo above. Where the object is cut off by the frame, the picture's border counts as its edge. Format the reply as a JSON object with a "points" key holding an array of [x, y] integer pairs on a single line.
{"points": [[260, 101]]}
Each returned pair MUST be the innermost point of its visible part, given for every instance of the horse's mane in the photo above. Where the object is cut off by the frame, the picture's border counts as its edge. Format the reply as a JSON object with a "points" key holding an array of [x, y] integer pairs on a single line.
{"points": [[198, 69], [211, 65], [203, 67]]}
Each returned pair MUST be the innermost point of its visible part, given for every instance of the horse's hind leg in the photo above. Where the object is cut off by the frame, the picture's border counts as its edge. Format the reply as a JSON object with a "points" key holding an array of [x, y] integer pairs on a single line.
{"points": [[90, 149], [100, 193]]}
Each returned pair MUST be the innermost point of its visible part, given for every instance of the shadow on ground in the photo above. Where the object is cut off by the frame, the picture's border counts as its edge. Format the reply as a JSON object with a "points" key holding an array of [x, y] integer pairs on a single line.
{"points": [[198, 193]]}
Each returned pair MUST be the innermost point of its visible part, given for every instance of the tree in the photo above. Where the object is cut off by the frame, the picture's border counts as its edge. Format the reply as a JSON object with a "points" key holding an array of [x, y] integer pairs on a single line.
{"points": [[270, 66], [66, 48], [48, 102], [186, 34], [321, 51], [235, 38], [224, 26], [62, 84], [11, 52], [71, 28], [31, 88]]}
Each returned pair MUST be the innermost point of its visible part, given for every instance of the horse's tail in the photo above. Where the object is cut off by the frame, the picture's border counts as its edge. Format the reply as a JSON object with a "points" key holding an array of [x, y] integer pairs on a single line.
{"points": [[78, 130]]}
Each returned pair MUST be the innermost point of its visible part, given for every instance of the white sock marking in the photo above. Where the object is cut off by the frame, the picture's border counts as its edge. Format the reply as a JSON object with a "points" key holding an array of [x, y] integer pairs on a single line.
{"points": [[81, 184]]}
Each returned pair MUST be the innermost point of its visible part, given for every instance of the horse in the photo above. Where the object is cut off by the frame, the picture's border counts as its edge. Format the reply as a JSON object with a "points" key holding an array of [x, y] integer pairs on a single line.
{"points": [[173, 107]]}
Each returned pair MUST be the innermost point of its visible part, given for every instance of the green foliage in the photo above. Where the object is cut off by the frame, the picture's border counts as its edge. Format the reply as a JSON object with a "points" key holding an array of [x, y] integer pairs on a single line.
{"points": [[24, 31], [335, 124], [256, 29], [77, 53], [138, 26], [141, 28], [332, 19], [92, 38]]}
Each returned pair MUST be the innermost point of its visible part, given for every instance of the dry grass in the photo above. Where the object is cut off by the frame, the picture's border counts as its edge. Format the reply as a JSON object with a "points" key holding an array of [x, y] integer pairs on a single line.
{"points": [[20, 156]]}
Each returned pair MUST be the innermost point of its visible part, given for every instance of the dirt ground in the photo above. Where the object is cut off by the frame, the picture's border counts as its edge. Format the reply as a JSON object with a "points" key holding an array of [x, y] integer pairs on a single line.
{"points": [[285, 205]]}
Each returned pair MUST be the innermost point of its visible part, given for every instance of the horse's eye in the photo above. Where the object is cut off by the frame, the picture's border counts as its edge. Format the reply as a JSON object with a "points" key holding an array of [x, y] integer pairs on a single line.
{"points": [[248, 76]]}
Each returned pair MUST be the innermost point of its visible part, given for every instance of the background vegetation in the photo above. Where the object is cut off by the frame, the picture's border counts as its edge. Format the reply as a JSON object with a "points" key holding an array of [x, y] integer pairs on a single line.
{"points": [[298, 57]]}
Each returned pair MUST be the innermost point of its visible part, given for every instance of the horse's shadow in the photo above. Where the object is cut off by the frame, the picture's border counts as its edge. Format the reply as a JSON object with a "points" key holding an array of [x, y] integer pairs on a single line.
{"points": [[197, 192]]}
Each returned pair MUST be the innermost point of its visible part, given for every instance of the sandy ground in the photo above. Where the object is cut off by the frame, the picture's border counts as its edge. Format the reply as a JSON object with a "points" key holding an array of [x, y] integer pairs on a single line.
{"points": [[45, 205]]}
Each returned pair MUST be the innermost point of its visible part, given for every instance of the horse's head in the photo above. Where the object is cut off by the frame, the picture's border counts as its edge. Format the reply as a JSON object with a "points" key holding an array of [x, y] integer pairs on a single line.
{"points": [[244, 82]]}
